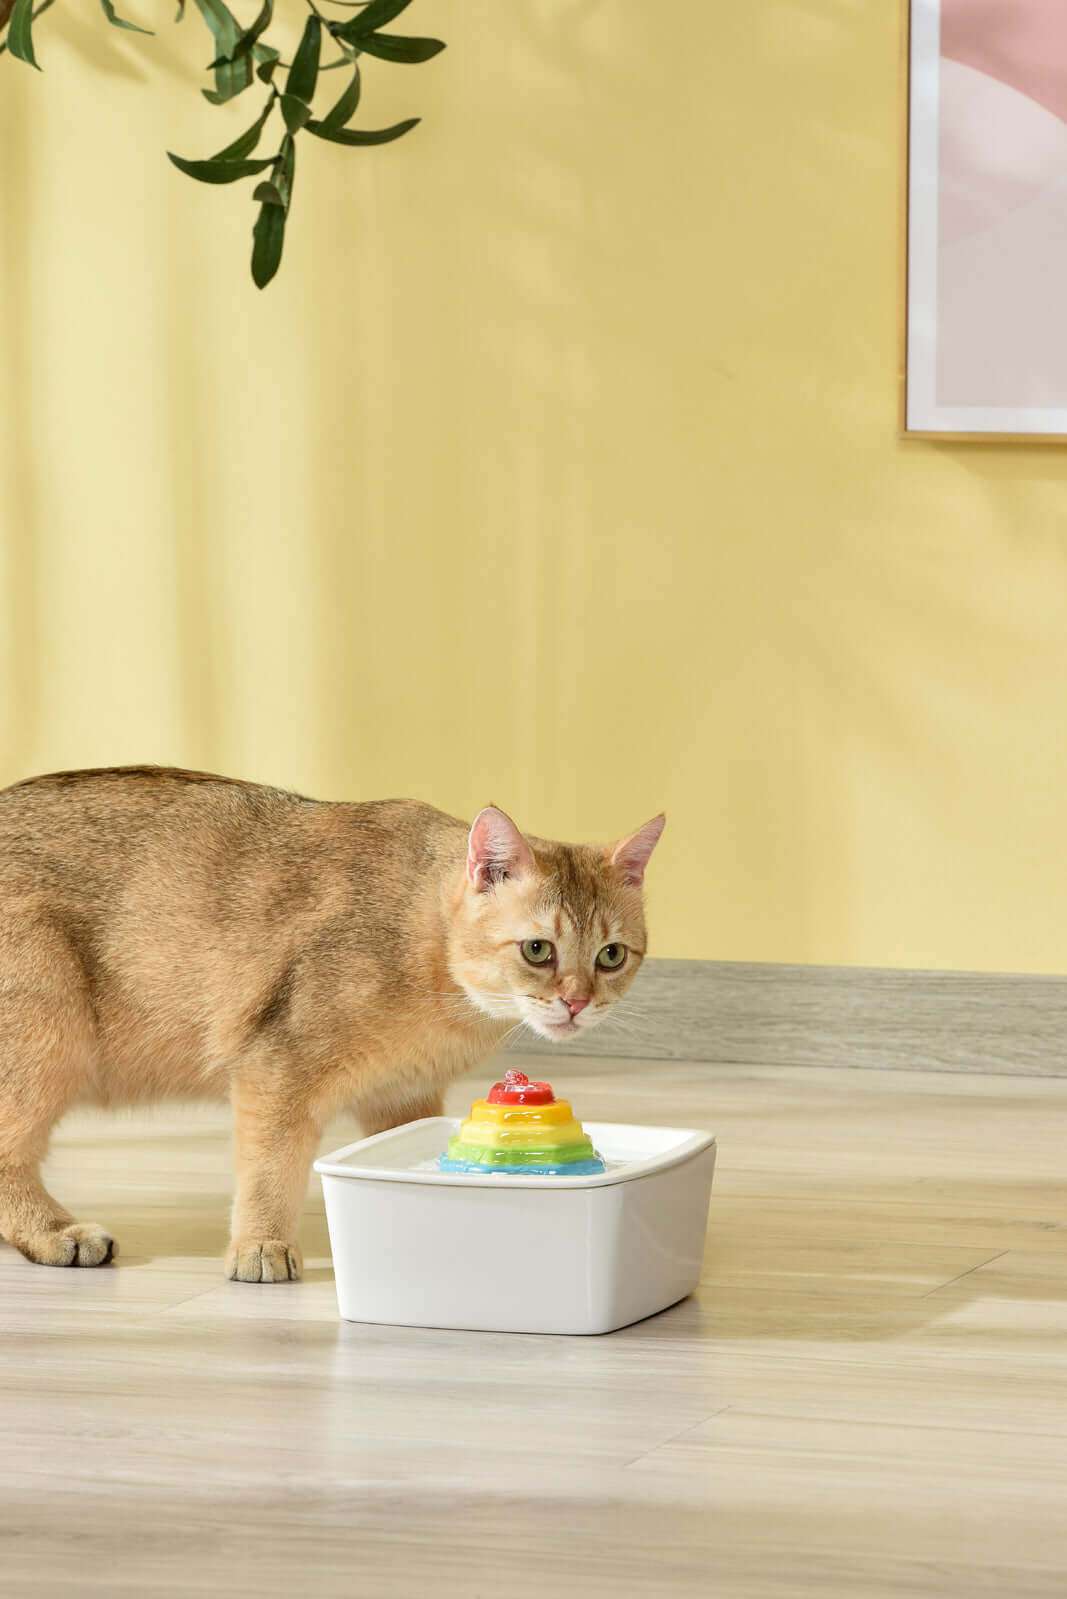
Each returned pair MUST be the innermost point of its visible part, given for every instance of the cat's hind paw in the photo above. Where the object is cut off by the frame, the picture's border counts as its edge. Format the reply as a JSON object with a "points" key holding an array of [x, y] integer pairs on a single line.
{"points": [[263, 1260]]}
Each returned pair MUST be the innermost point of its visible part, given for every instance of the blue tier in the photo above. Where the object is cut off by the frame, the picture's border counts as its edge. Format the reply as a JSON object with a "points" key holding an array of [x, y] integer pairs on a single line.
{"points": [[573, 1168]]}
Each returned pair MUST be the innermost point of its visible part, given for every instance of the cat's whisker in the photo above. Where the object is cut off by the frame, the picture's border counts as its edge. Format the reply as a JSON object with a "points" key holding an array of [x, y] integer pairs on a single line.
{"points": [[629, 1012], [639, 1026], [627, 1008]]}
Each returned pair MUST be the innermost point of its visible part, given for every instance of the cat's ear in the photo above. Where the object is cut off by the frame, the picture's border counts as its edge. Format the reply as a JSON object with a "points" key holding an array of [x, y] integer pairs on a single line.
{"points": [[630, 855], [496, 849]]}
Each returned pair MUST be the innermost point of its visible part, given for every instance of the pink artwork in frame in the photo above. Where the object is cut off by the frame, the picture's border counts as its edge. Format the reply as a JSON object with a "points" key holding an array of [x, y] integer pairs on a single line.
{"points": [[987, 218]]}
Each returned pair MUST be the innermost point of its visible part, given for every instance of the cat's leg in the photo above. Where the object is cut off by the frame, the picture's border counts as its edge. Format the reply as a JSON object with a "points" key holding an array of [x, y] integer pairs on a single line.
{"points": [[36, 1224], [45, 1037], [274, 1142], [392, 1108]]}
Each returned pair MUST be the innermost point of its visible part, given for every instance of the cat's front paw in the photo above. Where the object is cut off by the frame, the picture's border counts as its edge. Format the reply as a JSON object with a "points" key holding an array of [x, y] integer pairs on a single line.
{"points": [[82, 1243], [263, 1260]]}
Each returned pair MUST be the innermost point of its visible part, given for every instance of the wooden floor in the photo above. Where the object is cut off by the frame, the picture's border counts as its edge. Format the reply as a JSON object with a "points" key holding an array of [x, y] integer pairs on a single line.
{"points": [[867, 1397]]}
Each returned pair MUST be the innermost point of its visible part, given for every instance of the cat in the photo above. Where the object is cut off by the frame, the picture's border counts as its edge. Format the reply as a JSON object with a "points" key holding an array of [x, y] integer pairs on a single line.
{"points": [[169, 933]]}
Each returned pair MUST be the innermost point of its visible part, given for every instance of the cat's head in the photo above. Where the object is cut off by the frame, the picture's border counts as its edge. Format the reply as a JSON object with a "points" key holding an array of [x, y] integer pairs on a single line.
{"points": [[549, 934]]}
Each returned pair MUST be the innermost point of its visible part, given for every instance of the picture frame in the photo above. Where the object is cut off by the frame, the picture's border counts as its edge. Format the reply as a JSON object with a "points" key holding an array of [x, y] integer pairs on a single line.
{"points": [[983, 335]]}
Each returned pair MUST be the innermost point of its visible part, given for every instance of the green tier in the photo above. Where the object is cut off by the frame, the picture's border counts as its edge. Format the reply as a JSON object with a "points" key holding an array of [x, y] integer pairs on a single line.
{"points": [[554, 1155]]}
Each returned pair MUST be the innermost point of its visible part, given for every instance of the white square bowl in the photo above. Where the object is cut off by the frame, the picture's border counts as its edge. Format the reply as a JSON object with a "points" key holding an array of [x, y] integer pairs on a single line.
{"points": [[417, 1247]]}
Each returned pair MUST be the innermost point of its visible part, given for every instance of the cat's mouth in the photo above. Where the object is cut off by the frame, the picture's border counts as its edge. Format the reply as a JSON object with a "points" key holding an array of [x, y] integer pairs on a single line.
{"points": [[554, 1026], [561, 1029]]}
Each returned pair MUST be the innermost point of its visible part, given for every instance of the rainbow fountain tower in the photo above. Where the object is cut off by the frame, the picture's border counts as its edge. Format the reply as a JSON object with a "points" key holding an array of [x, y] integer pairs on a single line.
{"points": [[522, 1129]]}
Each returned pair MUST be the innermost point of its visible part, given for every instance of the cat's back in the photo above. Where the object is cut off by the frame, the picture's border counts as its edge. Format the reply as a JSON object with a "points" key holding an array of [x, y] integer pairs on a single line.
{"points": [[81, 825], [114, 791], [95, 827]]}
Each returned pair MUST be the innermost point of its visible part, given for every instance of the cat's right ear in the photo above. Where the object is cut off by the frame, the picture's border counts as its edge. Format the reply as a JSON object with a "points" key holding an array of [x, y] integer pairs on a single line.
{"points": [[631, 854], [495, 850]]}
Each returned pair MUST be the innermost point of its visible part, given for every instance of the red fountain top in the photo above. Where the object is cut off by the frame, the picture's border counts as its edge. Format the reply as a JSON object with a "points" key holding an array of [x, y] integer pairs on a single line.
{"points": [[517, 1089]]}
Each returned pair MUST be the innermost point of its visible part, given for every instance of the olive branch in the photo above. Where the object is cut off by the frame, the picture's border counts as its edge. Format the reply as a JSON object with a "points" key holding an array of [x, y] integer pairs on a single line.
{"points": [[243, 55]]}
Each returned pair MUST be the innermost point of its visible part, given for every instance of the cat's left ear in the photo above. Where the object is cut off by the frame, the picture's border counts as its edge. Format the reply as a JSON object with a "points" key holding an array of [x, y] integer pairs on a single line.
{"points": [[495, 850], [631, 854]]}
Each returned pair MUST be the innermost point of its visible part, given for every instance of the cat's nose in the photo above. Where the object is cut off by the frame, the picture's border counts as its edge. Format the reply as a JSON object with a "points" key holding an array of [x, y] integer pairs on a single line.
{"points": [[575, 1005]]}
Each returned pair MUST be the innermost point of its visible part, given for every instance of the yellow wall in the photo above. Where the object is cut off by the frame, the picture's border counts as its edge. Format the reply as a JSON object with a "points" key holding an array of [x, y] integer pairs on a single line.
{"points": [[557, 469]]}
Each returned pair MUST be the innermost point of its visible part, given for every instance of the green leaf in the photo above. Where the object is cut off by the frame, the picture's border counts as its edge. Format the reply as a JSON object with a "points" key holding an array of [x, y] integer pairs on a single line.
{"points": [[362, 136], [304, 72], [219, 171], [44, 5], [345, 107], [376, 15], [179, 14], [233, 76], [117, 22], [267, 192], [248, 39], [248, 140], [283, 177], [268, 236], [221, 21], [20, 32], [231, 81], [295, 112], [266, 59], [398, 47]]}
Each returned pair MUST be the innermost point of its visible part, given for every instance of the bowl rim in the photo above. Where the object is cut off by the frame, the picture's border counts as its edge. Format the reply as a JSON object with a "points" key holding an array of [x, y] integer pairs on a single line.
{"points": [[690, 1142]]}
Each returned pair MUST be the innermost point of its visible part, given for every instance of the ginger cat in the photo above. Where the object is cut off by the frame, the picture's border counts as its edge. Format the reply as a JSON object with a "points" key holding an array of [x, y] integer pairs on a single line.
{"points": [[168, 933]]}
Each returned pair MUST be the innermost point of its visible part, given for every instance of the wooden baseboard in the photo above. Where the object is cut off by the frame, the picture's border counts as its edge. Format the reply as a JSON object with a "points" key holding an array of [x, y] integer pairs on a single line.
{"points": [[737, 1012]]}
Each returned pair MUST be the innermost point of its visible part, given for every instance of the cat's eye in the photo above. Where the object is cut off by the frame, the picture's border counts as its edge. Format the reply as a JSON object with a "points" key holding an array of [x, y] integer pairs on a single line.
{"points": [[611, 957], [538, 951]]}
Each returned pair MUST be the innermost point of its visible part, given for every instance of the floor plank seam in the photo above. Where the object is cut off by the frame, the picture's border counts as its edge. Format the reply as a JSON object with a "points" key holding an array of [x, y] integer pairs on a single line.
{"points": [[980, 1266], [200, 1294], [675, 1437]]}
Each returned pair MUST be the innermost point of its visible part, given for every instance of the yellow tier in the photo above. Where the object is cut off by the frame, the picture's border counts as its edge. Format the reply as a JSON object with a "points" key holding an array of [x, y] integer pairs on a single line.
{"points": [[530, 1116], [488, 1136]]}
